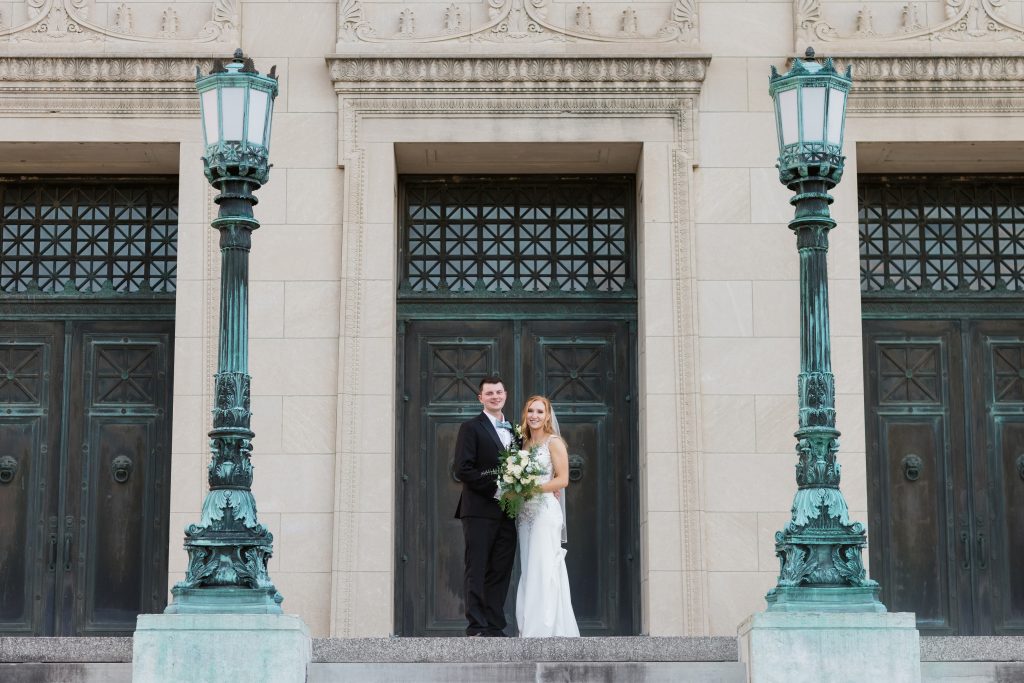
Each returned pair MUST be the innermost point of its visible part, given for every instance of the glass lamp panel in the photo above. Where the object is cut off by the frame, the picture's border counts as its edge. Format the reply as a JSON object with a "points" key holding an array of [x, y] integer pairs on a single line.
{"points": [[787, 115], [208, 102], [232, 102], [812, 109], [836, 114], [258, 101]]}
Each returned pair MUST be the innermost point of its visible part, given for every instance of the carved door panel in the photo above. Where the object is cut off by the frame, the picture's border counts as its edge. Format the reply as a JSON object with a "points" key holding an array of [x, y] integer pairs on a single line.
{"points": [[93, 463], [997, 385], [945, 427], [443, 365], [919, 525], [31, 383], [116, 486], [586, 368]]}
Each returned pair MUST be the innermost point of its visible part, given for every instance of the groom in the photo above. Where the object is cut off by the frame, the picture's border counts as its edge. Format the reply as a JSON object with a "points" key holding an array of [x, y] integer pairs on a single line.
{"points": [[490, 534]]}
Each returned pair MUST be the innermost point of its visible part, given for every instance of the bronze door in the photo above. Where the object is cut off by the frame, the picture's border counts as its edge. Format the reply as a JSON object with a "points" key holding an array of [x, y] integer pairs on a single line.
{"points": [[945, 429], [85, 414], [586, 368]]}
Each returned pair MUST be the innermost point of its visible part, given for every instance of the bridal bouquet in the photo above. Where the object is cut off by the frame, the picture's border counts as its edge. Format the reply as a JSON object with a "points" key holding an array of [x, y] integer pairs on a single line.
{"points": [[518, 478]]}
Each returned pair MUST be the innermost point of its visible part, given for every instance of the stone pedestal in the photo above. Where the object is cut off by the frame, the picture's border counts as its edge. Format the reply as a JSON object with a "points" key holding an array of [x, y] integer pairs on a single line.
{"points": [[213, 648], [812, 647]]}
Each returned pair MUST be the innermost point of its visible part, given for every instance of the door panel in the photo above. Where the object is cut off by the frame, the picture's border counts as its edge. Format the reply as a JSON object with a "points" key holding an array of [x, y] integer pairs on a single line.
{"points": [[998, 422], [585, 367], [31, 381], [118, 465], [918, 527], [948, 544], [83, 521], [444, 363]]}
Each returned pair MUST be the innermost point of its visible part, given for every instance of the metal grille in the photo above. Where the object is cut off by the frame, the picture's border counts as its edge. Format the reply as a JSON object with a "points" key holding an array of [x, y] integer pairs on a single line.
{"points": [[83, 236], [941, 233], [518, 237]]}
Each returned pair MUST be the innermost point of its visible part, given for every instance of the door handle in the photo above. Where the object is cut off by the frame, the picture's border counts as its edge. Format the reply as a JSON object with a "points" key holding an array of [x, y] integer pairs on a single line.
{"points": [[965, 544], [68, 529], [982, 555], [53, 552]]}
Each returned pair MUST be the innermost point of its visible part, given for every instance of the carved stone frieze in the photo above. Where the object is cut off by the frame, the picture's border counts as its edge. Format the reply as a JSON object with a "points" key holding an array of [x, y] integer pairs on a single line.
{"points": [[939, 85], [965, 25], [513, 22], [137, 86], [549, 73], [51, 23]]}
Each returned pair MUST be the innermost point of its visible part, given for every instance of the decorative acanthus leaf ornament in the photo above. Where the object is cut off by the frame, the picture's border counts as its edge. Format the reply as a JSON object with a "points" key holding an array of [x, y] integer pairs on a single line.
{"points": [[964, 21], [519, 21], [68, 21]]}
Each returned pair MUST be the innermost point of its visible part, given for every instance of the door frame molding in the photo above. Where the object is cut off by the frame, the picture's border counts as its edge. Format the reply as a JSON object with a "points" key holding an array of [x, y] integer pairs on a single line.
{"points": [[646, 103]]}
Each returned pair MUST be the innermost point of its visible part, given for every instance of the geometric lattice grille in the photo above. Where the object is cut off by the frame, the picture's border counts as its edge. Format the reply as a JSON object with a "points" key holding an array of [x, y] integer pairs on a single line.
{"points": [[941, 233], [523, 236], [82, 236]]}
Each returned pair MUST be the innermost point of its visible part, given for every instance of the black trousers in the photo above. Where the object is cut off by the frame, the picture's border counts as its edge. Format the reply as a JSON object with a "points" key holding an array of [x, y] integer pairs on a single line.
{"points": [[490, 554]]}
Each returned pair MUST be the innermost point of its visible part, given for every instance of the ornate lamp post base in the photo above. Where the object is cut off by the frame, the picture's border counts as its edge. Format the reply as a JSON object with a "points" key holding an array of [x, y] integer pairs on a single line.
{"points": [[222, 599], [817, 599]]}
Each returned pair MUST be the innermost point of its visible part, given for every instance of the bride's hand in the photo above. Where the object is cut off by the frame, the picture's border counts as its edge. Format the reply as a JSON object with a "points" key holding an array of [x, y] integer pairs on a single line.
{"points": [[558, 494]]}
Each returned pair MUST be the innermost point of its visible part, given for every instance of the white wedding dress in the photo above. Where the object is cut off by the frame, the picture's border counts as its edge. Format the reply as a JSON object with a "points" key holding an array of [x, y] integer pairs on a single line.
{"points": [[543, 607]]}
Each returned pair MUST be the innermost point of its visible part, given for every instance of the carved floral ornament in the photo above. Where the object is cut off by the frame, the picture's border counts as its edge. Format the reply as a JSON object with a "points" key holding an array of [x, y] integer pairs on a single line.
{"points": [[963, 22], [64, 21], [512, 21]]}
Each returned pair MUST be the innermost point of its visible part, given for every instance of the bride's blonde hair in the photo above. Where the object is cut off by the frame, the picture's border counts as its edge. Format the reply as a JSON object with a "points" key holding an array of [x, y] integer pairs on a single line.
{"points": [[547, 426]]}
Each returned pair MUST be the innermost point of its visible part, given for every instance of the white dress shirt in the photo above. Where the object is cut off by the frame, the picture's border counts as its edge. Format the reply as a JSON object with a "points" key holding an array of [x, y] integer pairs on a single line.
{"points": [[504, 434]]}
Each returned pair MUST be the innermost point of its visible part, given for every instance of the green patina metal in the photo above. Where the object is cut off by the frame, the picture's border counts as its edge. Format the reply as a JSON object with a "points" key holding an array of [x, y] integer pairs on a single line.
{"points": [[820, 548], [228, 549]]}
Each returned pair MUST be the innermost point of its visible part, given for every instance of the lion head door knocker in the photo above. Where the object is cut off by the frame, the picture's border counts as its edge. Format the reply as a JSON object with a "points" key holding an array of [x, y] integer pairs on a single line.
{"points": [[912, 467], [575, 467], [121, 468], [8, 468]]}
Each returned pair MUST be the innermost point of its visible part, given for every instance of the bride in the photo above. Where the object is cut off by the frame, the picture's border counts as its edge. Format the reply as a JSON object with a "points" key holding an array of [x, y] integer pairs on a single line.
{"points": [[543, 607]]}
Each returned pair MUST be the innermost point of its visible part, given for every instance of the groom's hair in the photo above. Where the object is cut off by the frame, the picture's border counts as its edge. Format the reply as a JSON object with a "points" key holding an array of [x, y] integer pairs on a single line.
{"points": [[490, 379]]}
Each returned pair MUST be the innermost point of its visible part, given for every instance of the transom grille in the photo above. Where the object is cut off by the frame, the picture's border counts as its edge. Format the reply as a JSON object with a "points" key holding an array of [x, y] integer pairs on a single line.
{"points": [[957, 234], [85, 236], [519, 237]]}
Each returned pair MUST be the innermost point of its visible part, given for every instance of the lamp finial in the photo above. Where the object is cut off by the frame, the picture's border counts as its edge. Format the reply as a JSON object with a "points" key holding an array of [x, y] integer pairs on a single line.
{"points": [[238, 54], [809, 53]]}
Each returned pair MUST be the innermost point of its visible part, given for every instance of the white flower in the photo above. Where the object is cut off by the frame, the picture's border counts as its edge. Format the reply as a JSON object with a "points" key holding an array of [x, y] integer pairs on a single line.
{"points": [[524, 454], [508, 478]]}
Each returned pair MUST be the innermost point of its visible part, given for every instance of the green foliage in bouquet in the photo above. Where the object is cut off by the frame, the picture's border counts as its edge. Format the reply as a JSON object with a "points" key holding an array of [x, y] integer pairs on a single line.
{"points": [[518, 478]]}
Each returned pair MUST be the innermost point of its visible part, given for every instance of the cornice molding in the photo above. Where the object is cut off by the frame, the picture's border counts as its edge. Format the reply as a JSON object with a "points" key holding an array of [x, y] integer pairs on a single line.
{"points": [[675, 74]]}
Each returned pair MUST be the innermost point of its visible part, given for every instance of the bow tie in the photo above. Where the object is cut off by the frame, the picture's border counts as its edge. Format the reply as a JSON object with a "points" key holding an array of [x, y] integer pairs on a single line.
{"points": [[501, 424]]}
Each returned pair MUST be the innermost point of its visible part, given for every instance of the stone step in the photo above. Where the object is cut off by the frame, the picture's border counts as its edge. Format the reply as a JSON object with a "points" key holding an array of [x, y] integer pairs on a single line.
{"points": [[526, 660]]}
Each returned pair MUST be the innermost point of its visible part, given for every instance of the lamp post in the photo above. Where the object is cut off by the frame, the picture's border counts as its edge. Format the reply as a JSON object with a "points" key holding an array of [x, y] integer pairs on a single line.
{"points": [[228, 549], [820, 548]]}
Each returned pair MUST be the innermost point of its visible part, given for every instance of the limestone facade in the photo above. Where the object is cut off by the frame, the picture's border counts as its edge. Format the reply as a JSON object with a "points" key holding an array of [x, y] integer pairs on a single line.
{"points": [[675, 92]]}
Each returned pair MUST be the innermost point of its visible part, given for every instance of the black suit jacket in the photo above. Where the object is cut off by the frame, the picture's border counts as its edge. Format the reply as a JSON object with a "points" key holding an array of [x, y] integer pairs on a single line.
{"points": [[476, 452]]}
